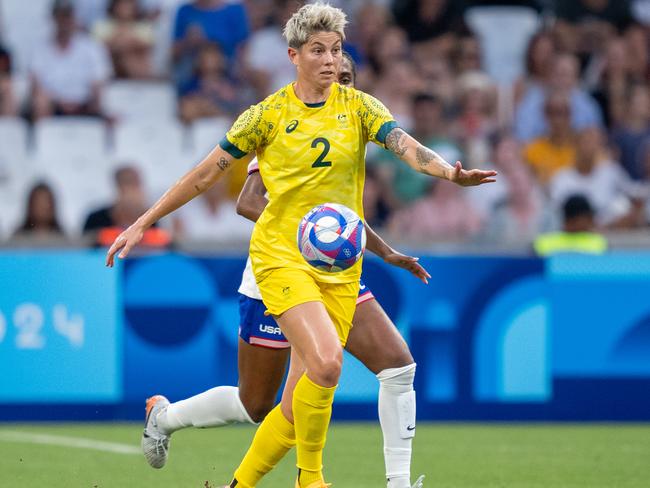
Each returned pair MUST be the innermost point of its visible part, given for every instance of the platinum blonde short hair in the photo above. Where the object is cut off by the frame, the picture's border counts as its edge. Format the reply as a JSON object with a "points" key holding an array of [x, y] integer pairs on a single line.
{"points": [[313, 18]]}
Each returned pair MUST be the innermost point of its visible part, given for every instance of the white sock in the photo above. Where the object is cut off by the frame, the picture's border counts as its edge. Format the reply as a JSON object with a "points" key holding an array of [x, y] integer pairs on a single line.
{"points": [[213, 408], [397, 419]]}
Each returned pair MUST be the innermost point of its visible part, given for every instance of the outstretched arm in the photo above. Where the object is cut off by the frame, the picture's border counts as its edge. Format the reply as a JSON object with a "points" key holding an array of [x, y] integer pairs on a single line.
{"points": [[251, 201], [192, 184], [378, 246], [424, 160]]}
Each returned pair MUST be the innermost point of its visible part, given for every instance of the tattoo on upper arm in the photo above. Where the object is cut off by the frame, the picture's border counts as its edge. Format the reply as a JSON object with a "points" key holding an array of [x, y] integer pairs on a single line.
{"points": [[223, 163], [396, 142], [424, 156]]}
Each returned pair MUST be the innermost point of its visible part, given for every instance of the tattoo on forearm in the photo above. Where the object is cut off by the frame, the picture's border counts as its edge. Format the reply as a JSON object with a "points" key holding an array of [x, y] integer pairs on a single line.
{"points": [[196, 187], [424, 156], [396, 142], [223, 164]]}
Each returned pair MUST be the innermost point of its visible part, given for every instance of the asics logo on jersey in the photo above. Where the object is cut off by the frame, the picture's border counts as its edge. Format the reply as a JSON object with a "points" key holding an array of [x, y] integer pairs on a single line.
{"points": [[292, 126], [269, 329]]}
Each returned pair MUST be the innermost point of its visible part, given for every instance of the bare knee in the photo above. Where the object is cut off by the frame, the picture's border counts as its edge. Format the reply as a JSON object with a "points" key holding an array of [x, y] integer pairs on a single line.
{"points": [[326, 371], [256, 406], [398, 359], [257, 411]]}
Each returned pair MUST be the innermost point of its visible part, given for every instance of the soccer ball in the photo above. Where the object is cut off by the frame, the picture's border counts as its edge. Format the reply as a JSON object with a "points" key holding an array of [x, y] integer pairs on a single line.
{"points": [[331, 237]]}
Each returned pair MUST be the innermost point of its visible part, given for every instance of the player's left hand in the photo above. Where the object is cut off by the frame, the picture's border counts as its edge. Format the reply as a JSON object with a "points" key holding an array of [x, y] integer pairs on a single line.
{"points": [[409, 263], [472, 177]]}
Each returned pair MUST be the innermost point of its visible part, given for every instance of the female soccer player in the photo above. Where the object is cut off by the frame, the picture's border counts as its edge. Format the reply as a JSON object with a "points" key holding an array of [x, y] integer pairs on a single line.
{"points": [[310, 139], [263, 353]]}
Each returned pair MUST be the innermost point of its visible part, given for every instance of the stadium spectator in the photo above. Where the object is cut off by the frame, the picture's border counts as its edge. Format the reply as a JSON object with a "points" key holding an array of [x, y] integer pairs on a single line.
{"points": [[630, 135], [210, 92], [613, 80], [584, 26], [370, 23], [466, 56], [212, 218], [105, 224], [539, 63], [445, 214], [514, 206], [549, 153], [392, 66], [8, 104], [129, 204], [404, 75], [268, 43], [617, 201], [578, 234], [41, 221], [529, 116], [391, 47], [589, 15], [261, 13], [89, 12], [220, 21], [129, 38], [430, 20], [68, 69], [438, 78], [476, 121], [378, 200], [430, 126], [637, 46]]}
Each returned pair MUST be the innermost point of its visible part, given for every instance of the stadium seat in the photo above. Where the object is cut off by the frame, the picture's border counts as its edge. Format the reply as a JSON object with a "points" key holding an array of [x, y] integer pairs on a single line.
{"points": [[15, 170], [24, 24], [127, 100], [21, 87], [13, 139], [71, 154], [206, 133], [504, 33], [156, 147]]}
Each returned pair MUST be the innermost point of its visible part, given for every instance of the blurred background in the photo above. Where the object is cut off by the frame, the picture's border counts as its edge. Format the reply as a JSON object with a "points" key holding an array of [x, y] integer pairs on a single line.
{"points": [[538, 306]]}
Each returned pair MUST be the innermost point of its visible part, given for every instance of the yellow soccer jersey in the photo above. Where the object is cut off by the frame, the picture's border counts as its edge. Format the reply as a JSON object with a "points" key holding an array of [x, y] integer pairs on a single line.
{"points": [[308, 154]]}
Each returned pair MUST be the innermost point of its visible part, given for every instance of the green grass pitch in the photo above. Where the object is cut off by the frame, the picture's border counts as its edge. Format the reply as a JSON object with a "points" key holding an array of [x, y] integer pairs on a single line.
{"points": [[451, 456]]}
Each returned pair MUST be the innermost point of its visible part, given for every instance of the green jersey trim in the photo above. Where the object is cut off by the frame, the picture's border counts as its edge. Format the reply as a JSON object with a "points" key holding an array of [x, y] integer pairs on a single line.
{"points": [[231, 149], [384, 130]]}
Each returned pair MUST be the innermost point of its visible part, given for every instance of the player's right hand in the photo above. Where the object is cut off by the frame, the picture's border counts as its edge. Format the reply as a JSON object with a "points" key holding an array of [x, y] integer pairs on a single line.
{"points": [[124, 242]]}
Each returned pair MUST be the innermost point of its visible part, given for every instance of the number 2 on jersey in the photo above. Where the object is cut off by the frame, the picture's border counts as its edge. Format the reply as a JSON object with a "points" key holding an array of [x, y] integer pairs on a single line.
{"points": [[320, 161]]}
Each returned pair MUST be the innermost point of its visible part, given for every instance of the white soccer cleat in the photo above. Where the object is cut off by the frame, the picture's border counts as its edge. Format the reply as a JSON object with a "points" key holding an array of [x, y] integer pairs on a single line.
{"points": [[155, 444], [419, 483]]}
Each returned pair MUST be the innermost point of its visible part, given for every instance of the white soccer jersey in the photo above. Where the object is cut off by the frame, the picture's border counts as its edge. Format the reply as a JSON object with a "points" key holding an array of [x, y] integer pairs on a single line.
{"points": [[248, 285]]}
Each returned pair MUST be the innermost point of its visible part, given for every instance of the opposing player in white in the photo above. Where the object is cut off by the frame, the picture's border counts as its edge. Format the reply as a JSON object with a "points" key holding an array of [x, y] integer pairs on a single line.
{"points": [[263, 353]]}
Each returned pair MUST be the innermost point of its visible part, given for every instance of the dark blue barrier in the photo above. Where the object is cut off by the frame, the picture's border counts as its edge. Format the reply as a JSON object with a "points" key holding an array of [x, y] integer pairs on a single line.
{"points": [[494, 338]]}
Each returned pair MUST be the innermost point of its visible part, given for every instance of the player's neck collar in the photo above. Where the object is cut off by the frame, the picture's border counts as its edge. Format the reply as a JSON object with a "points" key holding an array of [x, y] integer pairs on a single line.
{"points": [[292, 94]]}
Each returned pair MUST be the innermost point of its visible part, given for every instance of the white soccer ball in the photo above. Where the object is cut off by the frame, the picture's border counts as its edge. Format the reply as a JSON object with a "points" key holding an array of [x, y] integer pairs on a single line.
{"points": [[331, 237]]}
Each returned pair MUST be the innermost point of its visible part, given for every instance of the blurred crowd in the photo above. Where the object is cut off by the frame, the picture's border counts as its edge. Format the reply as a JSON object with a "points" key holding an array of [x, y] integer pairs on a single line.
{"points": [[554, 94]]}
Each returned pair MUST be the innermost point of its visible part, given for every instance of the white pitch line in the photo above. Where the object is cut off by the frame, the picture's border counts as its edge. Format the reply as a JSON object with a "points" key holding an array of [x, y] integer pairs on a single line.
{"points": [[65, 441]]}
